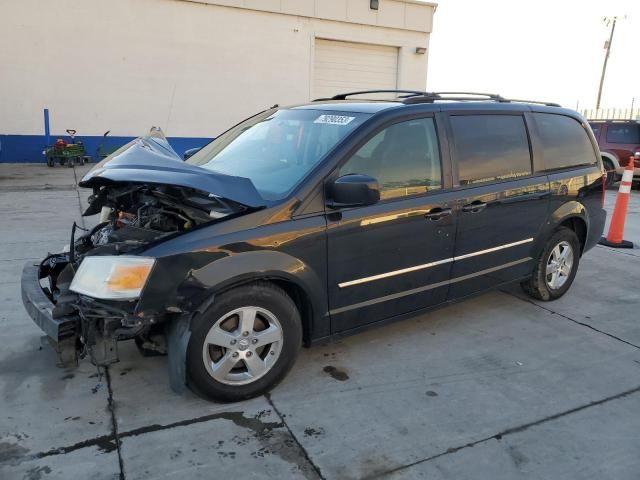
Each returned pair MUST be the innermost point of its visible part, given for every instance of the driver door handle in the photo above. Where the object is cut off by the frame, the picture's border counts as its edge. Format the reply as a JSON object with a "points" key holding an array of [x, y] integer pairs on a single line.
{"points": [[437, 213], [474, 207]]}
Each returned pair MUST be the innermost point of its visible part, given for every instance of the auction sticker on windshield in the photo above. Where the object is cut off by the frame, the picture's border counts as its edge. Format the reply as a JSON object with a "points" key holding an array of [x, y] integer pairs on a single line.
{"points": [[334, 119]]}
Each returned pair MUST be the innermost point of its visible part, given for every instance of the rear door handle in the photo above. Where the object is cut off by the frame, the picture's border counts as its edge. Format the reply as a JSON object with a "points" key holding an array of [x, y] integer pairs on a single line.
{"points": [[474, 207], [437, 213]]}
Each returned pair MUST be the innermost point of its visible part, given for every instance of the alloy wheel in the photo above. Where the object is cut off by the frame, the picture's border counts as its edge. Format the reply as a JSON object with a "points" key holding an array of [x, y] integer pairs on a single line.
{"points": [[559, 265], [242, 346]]}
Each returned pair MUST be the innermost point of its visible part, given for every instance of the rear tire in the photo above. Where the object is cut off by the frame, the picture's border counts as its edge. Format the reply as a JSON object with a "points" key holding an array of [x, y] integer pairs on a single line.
{"points": [[611, 172], [261, 351], [556, 266]]}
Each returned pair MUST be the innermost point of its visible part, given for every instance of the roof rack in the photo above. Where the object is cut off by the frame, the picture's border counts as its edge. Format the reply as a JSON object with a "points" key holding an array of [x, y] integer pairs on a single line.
{"points": [[416, 96], [343, 96]]}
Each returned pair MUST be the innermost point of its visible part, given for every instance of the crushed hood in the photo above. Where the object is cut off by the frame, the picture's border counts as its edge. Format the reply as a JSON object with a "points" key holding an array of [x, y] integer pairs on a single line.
{"points": [[150, 159]]}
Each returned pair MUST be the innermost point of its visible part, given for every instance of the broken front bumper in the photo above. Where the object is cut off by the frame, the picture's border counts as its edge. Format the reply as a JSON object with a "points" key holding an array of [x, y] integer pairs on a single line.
{"points": [[62, 331]]}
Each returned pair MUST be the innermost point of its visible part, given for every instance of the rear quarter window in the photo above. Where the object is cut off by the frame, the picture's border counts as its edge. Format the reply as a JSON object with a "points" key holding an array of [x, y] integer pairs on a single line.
{"points": [[623, 133], [565, 142]]}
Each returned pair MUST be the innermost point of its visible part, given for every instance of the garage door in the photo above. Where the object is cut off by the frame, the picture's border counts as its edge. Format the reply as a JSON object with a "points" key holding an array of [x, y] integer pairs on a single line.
{"points": [[344, 67]]}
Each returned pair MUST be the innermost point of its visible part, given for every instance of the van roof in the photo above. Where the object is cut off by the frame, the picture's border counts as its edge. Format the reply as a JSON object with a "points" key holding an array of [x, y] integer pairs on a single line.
{"points": [[399, 98]]}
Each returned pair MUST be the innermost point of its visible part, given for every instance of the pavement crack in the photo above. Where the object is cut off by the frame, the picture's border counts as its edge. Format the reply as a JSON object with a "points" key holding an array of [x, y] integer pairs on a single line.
{"points": [[112, 441], [295, 439], [509, 431], [236, 417], [114, 421], [578, 322], [618, 252]]}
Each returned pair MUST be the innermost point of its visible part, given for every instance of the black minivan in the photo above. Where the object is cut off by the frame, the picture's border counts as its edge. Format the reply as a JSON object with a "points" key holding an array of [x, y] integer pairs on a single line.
{"points": [[306, 222]]}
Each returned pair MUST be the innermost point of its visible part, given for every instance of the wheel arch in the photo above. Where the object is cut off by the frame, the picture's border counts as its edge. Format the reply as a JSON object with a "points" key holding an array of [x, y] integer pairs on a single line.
{"points": [[296, 279], [579, 227], [611, 157], [571, 215]]}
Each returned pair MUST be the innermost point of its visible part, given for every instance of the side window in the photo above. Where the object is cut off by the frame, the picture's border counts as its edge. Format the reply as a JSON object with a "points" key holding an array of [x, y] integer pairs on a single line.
{"points": [[596, 129], [565, 142], [490, 148], [623, 133], [404, 158]]}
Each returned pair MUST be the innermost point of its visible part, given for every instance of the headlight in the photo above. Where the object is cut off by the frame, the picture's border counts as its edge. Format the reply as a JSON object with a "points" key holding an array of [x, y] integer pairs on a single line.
{"points": [[112, 277]]}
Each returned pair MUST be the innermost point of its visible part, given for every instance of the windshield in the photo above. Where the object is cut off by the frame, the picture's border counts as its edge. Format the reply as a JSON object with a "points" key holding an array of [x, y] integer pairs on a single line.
{"points": [[277, 148]]}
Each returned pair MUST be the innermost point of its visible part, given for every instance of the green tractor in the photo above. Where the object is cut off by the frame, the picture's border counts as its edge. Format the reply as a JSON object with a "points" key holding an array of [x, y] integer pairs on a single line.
{"points": [[69, 154]]}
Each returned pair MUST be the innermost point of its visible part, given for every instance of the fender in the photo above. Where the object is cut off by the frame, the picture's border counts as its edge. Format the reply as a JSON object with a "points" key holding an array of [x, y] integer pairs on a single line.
{"points": [[611, 157], [571, 209], [567, 210], [232, 270], [265, 264]]}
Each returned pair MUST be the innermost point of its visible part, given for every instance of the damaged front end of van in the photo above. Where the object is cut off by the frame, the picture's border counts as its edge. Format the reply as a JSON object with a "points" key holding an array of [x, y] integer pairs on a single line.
{"points": [[102, 288]]}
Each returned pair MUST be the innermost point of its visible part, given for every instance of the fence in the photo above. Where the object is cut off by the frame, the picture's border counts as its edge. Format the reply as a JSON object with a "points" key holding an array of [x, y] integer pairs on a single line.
{"points": [[611, 113]]}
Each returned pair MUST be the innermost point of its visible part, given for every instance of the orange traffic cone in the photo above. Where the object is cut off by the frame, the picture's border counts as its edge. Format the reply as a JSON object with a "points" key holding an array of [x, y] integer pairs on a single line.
{"points": [[616, 229]]}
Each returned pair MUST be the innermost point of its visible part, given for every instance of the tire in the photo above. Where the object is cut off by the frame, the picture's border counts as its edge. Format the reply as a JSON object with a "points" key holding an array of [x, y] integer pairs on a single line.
{"points": [[220, 324], [49, 162], [541, 286], [611, 172]]}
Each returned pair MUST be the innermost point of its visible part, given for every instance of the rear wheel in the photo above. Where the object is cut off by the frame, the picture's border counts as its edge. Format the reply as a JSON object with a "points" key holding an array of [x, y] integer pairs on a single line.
{"points": [[611, 172], [556, 267], [244, 344]]}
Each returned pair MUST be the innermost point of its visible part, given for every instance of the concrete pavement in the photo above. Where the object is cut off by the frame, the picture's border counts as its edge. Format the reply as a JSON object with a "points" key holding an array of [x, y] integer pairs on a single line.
{"points": [[497, 387]]}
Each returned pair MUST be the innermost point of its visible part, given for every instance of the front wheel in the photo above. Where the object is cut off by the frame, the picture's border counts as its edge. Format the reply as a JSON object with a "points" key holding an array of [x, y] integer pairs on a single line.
{"points": [[556, 267], [244, 344]]}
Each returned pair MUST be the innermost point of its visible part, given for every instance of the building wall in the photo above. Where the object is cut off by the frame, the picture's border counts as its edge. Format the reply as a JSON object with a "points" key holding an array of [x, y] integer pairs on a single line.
{"points": [[191, 67]]}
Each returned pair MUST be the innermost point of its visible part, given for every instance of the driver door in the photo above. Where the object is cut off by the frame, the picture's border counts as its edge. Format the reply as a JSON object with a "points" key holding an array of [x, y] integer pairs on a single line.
{"points": [[393, 257]]}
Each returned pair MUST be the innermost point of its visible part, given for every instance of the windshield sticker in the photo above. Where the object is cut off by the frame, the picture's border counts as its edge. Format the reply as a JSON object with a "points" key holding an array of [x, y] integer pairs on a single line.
{"points": [[334, 119]]}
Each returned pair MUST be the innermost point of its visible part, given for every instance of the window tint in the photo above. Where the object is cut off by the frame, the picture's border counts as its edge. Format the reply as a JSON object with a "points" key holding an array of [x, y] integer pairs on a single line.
{"points": [[596, 129], [490, 148], [623, 133], [404, 158], [565, 143]]}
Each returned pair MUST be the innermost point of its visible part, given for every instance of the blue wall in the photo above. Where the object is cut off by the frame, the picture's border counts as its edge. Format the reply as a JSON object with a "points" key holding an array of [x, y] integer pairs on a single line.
{"points": [[28, 148]]}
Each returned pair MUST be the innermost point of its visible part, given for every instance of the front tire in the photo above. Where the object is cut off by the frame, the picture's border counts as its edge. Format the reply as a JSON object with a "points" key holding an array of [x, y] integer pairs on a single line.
{"points": [[556, 267], [244, 344]]}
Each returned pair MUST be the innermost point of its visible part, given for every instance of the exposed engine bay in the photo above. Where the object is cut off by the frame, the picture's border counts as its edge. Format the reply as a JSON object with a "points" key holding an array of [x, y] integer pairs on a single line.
{"points": [[131, 217], [135, 215]]}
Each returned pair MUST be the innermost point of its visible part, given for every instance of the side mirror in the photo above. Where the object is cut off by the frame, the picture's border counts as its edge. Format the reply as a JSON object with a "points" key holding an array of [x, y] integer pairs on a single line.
{"points": [[190, 153], [353, 190]]}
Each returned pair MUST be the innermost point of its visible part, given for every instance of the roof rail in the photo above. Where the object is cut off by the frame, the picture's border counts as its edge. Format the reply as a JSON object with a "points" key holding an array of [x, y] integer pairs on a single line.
{"points": [[343, 96], [548, 104], [470, 97], [417, 96]]}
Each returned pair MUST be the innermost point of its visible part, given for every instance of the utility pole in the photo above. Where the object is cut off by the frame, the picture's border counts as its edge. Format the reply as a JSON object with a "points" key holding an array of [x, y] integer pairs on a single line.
{"points": [[607, 46]]}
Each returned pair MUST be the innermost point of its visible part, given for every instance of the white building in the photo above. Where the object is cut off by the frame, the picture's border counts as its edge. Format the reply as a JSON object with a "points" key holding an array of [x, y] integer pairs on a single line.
{"points": [[192, 67]]}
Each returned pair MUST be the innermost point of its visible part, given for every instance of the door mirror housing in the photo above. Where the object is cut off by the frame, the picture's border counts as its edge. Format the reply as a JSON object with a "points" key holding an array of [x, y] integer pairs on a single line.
{"points": [[190, 153], [353, 190]]}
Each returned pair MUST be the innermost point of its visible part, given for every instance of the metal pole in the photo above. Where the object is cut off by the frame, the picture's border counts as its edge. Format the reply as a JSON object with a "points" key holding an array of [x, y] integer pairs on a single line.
{"points": [[47, 133], [606, 59], [633, 99]]}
